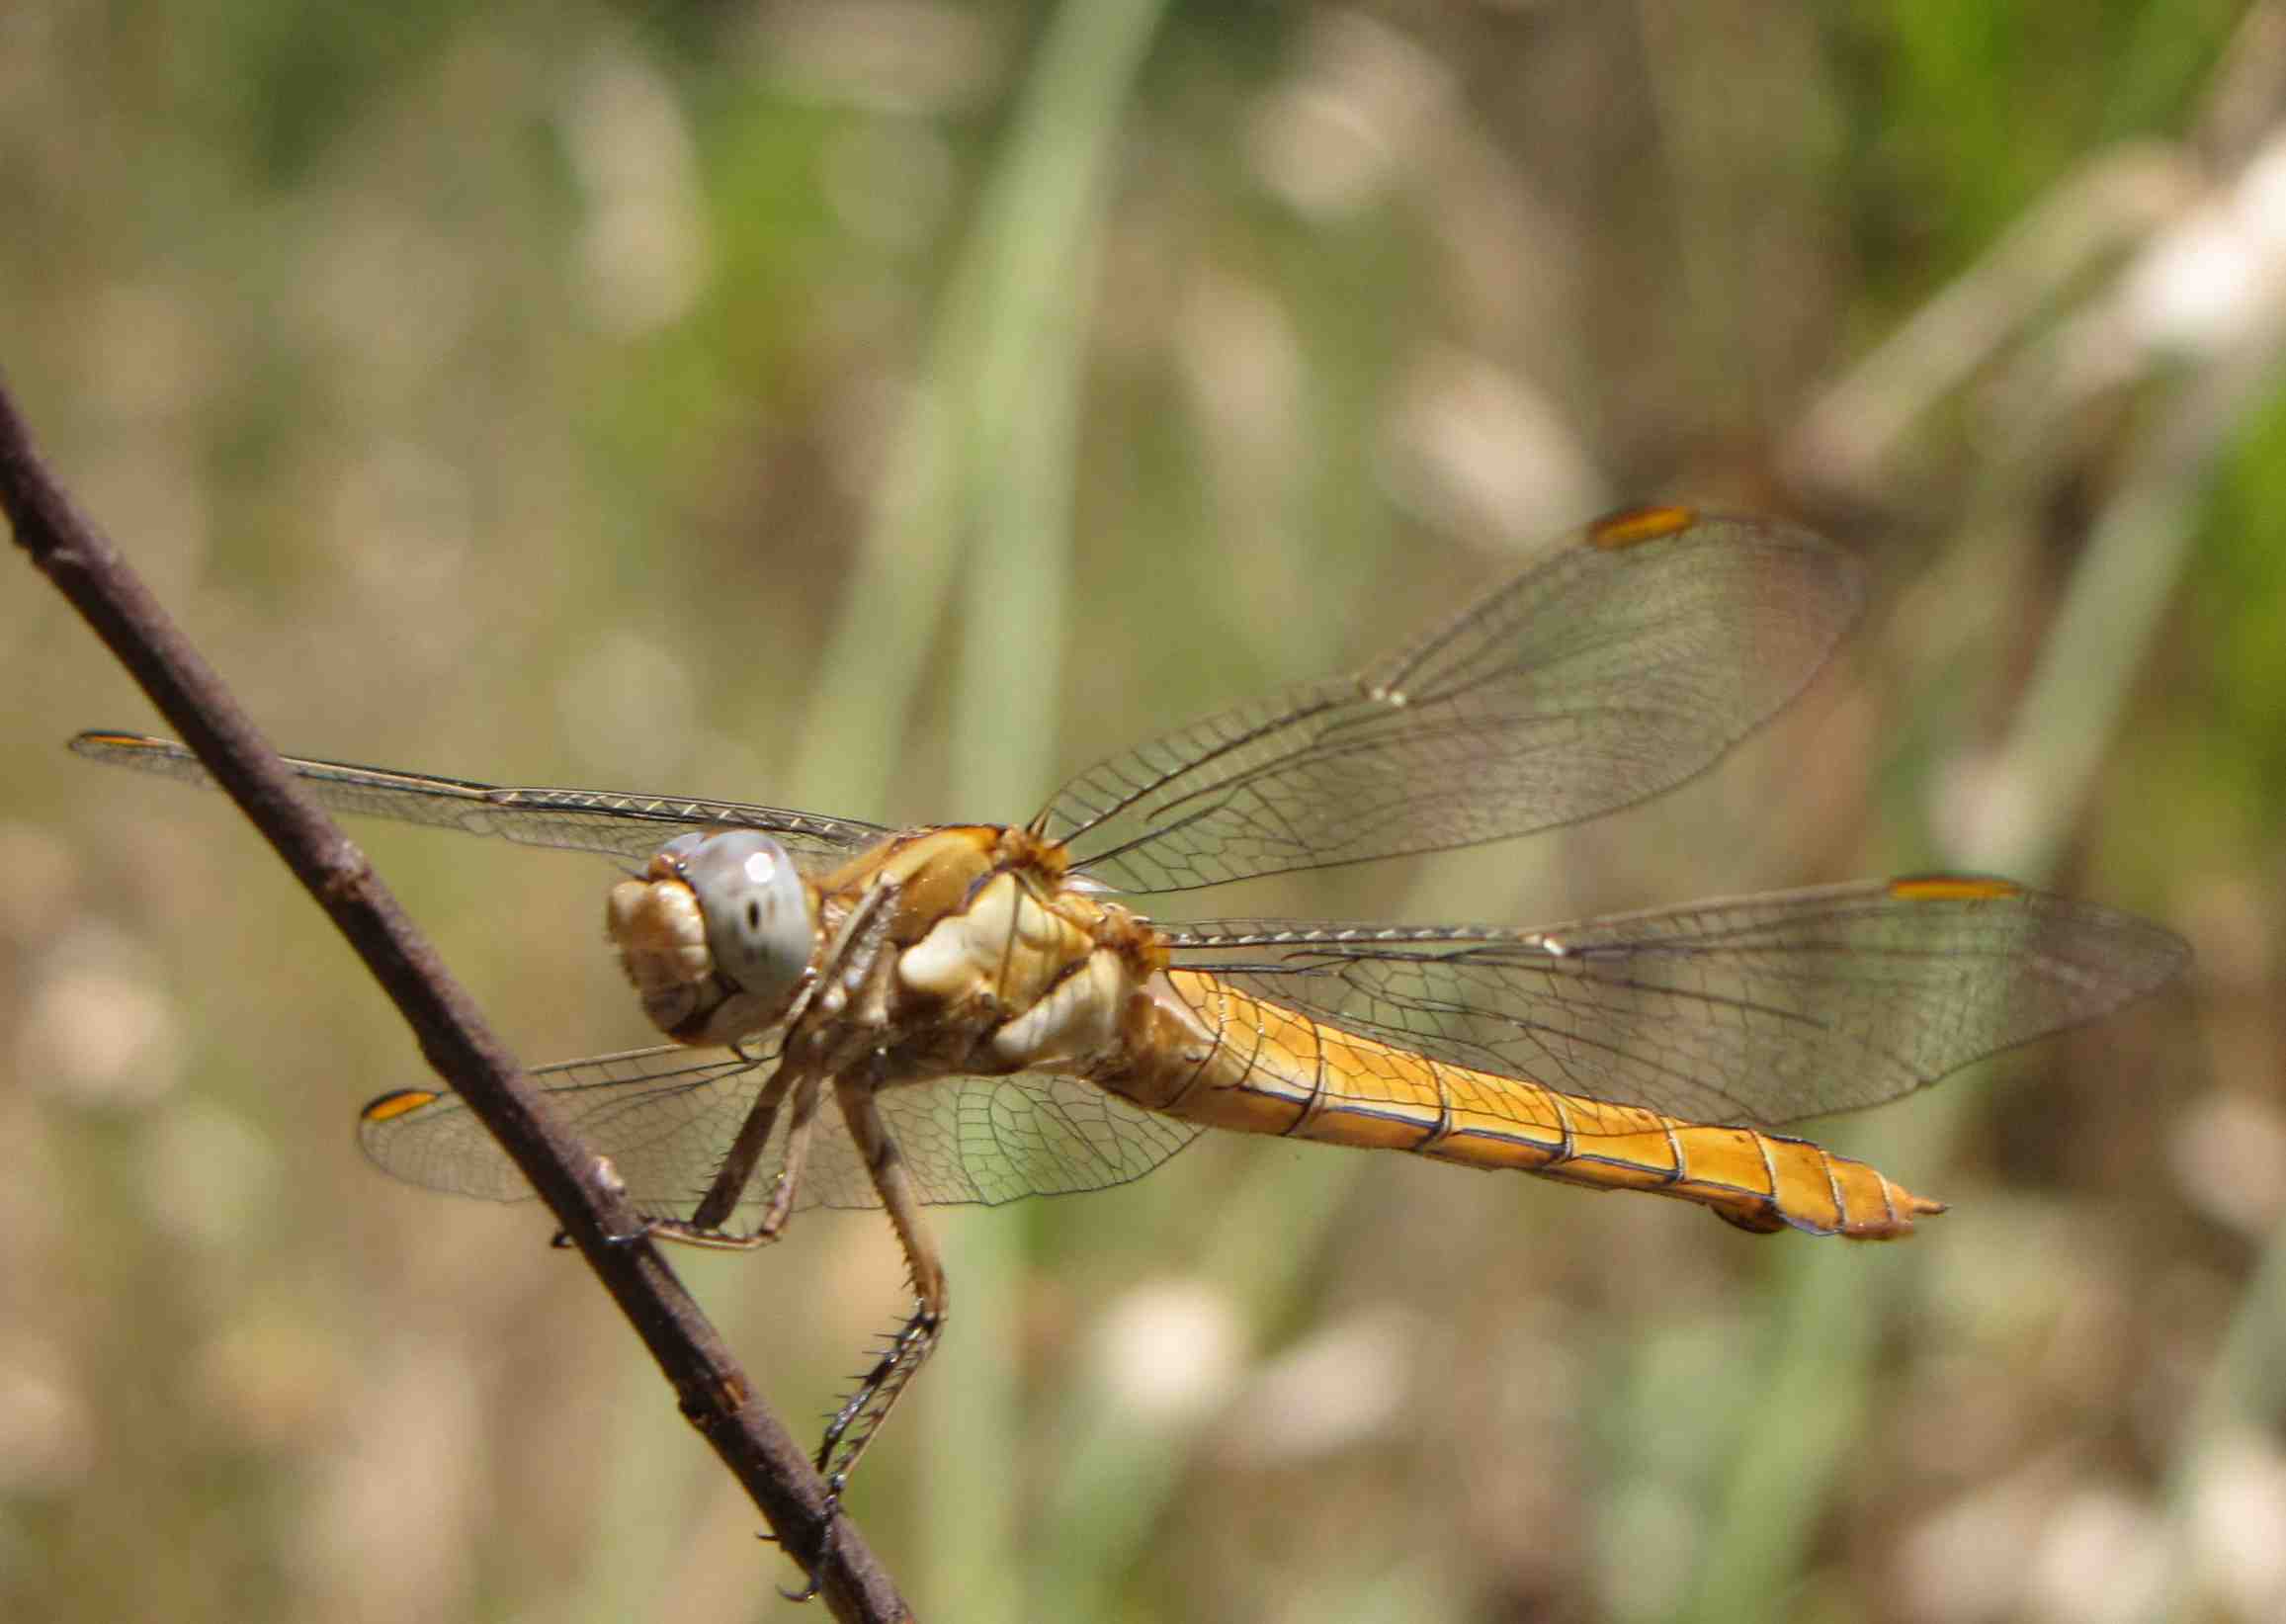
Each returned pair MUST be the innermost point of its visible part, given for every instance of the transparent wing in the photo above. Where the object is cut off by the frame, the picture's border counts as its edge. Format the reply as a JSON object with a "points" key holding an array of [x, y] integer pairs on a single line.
{"points": [[1760, 1010], [598, 820], [1622, 660], [663, 1115], [665, 1118]]}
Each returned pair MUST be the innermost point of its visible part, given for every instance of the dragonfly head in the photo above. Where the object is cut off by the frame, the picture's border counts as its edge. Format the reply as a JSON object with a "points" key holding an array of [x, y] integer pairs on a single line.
{"points": [[717, 935]]}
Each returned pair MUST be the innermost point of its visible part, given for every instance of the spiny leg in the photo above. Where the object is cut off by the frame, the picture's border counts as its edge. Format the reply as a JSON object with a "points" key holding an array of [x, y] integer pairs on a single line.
{"points": [[833, 1040], [814, 1037], [855, 1426], [801, 1133], [859, 1420], [705, 1227]]}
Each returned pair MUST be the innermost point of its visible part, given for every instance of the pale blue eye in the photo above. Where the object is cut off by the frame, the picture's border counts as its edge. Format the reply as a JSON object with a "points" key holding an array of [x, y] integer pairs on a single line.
{"points": [[759, 928]]}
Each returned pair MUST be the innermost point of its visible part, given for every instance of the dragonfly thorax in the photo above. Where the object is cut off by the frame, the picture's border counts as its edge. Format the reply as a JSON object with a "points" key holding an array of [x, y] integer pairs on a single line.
{"points": [[718, 935]]}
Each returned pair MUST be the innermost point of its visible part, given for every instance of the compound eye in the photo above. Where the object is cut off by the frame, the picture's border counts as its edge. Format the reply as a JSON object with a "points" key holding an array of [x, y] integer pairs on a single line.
{"points": [[759, 926]]}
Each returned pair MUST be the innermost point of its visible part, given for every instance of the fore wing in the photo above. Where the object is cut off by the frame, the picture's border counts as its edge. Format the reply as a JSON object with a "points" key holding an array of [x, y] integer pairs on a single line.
{"points": [[608, 822], [666, 1116], [1622, 660], [1760, 1010]]}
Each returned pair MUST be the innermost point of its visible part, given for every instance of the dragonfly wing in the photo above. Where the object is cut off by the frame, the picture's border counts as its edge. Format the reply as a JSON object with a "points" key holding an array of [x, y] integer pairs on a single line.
{"points": [[613, 823], [1762, 1010], [667, 1118], [1622, 660], [664, 1115], [991, 1140]]}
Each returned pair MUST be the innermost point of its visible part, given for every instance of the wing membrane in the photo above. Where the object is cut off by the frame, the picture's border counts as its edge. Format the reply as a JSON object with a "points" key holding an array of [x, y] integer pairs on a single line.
{"points": [[1760, 1010], [666, 1116], [599, 821], [1621, 661]]}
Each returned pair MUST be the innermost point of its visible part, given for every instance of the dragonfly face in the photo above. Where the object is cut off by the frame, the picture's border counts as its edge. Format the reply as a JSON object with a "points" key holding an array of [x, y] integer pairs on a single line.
{"points": [[967, 1013], [718, 935]]}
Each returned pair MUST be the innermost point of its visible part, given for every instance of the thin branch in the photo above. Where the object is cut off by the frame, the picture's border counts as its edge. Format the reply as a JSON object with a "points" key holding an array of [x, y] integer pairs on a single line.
{"points": [[577, 1185]]}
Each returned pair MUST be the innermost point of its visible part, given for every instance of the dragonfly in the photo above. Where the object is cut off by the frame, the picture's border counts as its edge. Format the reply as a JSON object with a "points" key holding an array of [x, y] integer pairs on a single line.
{"points": [[874, 1017]]}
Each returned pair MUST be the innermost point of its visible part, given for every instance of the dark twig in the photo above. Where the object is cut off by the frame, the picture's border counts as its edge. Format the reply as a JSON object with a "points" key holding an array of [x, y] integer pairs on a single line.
{"points": [[576, 1186]]}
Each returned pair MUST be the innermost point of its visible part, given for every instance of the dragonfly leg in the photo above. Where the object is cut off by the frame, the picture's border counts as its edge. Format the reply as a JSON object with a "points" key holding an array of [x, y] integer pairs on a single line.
{"points": [[847, 968], [860, 1417], [799, 1134], [815, 1035], [561, 1240], [702, 1230], [814, 1570], [855, 1425], [705, 1227]]}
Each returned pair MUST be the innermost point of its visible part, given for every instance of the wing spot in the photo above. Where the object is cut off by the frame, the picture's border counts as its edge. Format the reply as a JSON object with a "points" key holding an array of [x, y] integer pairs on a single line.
{"points": [[390, 1107], [1632, 526], [1952, 888]]}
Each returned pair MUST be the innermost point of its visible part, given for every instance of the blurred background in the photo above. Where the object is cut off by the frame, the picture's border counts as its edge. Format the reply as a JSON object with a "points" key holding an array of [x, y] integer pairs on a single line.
{"points": [[889, 408]]}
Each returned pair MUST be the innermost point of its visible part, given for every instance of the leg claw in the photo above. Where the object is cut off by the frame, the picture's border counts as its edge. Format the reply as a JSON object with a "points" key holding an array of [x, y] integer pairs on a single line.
{"points": [[816, 1567]]}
